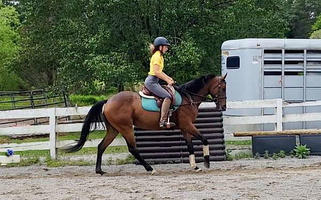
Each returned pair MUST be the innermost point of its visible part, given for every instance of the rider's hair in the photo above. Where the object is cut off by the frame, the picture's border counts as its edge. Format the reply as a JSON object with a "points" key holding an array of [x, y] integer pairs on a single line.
{"points": [[153, 49]]}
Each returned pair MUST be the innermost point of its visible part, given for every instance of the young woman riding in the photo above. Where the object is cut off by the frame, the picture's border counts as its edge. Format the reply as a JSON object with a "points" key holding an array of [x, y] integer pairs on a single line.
{"points": [[158, 49]]}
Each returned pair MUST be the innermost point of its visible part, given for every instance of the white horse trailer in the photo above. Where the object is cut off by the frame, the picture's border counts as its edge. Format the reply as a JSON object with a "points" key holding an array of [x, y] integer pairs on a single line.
{"points": [[273, 68]]}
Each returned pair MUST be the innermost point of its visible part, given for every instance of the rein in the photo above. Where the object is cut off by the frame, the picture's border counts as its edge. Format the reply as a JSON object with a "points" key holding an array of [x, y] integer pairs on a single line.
{"points": [[207, 99]]}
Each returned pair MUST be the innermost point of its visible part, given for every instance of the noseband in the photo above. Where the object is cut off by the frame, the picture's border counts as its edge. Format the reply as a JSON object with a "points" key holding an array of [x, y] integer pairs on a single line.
{"points": [[219, 96]]}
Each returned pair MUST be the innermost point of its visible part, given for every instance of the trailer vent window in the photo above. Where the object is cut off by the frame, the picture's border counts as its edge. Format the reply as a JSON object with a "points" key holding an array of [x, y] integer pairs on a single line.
{"points": [[233, 62]]}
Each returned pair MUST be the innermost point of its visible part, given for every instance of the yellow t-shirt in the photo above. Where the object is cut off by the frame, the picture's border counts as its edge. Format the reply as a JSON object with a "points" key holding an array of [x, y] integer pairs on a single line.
{"points": [[157, 59]]}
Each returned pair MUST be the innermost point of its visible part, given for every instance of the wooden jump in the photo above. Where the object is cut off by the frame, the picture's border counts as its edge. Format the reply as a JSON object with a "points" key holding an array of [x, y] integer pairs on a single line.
{"points": [[286, 132]]}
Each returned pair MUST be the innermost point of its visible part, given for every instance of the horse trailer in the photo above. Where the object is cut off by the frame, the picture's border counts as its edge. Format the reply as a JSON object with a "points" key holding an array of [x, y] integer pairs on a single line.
{"points": [[260, 69]]}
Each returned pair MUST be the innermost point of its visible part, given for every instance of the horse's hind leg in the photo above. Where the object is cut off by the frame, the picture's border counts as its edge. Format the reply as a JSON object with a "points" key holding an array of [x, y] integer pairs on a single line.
{"points": [[111, 133], [132, 148]]}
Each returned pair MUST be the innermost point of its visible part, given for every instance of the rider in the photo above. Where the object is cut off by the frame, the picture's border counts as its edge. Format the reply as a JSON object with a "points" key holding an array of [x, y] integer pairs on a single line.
{"points": [[158, 49]]}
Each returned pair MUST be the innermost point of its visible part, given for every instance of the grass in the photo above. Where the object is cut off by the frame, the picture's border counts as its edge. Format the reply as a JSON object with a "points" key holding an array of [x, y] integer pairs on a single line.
{"points": [[243, 155], [69, 136], [239, 143], [32, 157], [83, 151], [24, 101]]}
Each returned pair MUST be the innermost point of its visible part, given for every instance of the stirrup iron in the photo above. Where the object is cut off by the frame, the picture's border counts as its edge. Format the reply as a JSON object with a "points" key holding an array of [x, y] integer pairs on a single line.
{"points": [[168, 123]]}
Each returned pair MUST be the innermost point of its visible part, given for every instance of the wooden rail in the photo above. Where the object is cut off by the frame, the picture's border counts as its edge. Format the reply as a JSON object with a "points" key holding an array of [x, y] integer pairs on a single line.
{"points": [[285, 132]]}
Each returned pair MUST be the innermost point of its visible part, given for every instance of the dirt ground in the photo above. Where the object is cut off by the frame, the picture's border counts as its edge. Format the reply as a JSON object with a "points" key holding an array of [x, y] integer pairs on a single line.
{"points": [[287, 178]]}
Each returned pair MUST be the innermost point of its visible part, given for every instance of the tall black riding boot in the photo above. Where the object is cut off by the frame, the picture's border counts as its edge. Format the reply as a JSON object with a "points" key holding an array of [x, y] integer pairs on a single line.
{"points": [[164, 120]]}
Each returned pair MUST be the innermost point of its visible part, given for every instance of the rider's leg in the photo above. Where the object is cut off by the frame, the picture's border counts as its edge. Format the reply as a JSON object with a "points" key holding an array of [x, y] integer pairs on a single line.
{"points": [[163, 123], [151, 83]]}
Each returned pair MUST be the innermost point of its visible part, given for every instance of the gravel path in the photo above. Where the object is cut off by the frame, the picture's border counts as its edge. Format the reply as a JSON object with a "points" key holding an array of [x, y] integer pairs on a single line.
{"points": [[288, 178]]}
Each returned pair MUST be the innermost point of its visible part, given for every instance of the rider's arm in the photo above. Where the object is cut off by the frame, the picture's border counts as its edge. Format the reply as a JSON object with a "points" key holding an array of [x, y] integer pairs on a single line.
{"points": [[162, 75]]}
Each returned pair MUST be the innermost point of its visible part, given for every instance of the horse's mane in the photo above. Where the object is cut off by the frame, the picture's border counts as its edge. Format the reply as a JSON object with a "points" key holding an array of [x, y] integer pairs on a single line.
{"points": [[195, 85]]}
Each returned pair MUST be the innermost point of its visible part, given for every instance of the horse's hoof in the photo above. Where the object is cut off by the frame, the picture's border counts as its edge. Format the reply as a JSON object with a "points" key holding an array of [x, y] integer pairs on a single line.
{"points": [[101, 172], [153, 172], [207, 161], [207, 165], [197, 169]]}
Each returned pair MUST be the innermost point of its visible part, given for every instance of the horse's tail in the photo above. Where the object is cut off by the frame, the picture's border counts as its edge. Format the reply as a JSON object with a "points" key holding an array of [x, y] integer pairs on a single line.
{"points": [[94, 117]]}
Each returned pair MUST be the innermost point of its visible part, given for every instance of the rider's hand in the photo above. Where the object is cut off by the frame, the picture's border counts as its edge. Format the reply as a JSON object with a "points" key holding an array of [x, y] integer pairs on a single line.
{"points": [[171, 82]]}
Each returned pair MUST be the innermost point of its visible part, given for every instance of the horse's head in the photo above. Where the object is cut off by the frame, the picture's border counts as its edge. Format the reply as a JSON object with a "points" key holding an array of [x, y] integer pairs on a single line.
{"points": [[199, 88], [218, 92]]}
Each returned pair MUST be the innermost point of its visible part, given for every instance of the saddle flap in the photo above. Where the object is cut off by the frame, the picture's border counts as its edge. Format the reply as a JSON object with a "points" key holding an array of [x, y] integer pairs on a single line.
{"points": [[154, 105]]}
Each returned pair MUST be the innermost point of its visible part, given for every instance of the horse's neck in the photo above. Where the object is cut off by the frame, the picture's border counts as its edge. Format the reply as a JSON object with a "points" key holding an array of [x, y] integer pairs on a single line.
{"points": [[198, 99]]}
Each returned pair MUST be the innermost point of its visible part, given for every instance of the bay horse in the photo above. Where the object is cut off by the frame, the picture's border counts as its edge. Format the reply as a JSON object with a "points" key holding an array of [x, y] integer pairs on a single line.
{"points": [[124, 110]]}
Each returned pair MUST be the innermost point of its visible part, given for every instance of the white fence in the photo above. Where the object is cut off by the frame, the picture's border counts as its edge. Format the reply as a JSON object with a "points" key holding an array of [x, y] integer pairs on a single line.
{"points": [[53, 113], [52, 128], [278, 118]]}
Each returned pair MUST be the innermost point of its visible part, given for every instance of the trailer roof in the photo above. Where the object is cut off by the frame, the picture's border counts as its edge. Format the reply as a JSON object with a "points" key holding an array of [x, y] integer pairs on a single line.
{"points": [[272, 43]]}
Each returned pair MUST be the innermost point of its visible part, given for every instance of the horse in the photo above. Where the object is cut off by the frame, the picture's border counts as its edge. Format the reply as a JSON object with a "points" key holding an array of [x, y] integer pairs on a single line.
{"points": [[123, 111]]}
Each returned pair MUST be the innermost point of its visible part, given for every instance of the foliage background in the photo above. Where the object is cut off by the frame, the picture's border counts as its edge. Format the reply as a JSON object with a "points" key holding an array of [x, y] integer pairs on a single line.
{"points": [[90, 46]]}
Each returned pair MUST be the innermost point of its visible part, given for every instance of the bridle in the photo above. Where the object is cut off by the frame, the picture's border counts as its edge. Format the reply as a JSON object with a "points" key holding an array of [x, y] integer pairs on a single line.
{"points": [[219, 95], [214, 99]]}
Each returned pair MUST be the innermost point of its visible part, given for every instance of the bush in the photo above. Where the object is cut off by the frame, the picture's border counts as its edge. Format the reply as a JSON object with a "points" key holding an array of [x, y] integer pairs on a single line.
{"points": [[9, 81], [316, 35], [301, 151], [85, 100]]}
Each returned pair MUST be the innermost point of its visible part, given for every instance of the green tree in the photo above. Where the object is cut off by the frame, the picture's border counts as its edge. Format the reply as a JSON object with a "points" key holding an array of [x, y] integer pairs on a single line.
{"points": [[317, 24], [302, 15], [316, 34], [9, 39], [86, 46], [39, 58], [316, 29]]}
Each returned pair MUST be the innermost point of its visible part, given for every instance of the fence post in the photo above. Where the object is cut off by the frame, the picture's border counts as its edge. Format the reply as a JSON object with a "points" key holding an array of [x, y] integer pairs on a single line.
{"points": [[279, 115], [13, 105], [32, 103], [52, 133]]}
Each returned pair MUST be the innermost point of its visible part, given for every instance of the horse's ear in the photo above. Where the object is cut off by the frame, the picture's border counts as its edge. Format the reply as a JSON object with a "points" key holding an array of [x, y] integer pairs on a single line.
{"points": [[224, 76]]}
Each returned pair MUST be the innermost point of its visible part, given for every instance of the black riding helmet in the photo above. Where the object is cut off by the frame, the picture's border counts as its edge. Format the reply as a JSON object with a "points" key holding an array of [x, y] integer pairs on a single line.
{"points": [[161, 41]]}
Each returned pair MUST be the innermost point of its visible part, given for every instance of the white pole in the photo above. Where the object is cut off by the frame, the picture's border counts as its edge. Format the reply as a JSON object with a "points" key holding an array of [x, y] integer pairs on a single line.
{"points": [[279, 115], [52, 134]]}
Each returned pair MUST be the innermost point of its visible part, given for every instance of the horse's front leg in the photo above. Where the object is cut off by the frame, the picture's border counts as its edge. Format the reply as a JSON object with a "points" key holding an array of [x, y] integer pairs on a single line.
{"points": [[191, 130], [190, 148], [206, 149]]}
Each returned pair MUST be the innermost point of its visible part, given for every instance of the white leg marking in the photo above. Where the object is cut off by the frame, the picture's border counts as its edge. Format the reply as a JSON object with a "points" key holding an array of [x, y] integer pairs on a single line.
{"points": [[206, 150], [192, 160]]}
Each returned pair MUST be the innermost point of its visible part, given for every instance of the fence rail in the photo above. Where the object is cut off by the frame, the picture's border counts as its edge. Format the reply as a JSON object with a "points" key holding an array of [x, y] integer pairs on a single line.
{"points": [[13, 100], [278, 118], [31, 99]]}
